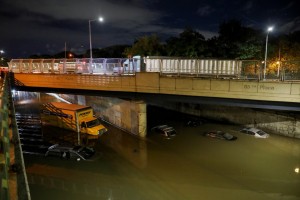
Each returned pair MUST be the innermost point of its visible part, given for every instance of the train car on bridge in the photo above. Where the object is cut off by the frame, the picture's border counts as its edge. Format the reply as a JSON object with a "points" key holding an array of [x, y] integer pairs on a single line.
{"points": [[200, 67], [118, 66]]}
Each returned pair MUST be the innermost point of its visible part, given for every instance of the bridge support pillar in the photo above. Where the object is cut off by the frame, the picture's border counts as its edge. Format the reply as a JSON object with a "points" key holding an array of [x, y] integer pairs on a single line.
{"points": [[130, 116]]}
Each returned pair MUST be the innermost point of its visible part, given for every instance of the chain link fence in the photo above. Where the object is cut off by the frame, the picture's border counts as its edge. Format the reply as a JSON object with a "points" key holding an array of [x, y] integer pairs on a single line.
{"points": [[277, 71]]}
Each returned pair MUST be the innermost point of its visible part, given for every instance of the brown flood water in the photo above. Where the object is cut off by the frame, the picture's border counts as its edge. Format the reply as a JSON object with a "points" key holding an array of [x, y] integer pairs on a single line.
{"points": [[188, 166]]}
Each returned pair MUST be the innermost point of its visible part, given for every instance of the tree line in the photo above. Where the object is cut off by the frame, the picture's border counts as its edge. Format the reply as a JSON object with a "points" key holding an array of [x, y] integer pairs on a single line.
{"points": [[234, 41]]}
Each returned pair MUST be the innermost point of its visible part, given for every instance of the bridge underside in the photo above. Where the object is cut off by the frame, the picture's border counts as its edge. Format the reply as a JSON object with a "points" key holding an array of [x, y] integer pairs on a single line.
{"points": [[153, 88], [158, 98]]}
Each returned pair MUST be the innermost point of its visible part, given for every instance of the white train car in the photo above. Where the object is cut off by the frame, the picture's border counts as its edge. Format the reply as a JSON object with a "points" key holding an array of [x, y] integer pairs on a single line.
{"points": [[199, 67]]}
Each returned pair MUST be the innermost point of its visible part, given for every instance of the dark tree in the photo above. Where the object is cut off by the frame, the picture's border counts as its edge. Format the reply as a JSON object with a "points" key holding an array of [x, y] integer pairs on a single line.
{"points": [[190, 43], [238, 42], [146, 46]]}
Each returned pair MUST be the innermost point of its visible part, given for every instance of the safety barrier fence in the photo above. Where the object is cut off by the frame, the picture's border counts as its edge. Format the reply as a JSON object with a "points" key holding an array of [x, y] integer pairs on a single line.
{"points": [[75, 65], [4, 143], [240, 69], [8, 134]]}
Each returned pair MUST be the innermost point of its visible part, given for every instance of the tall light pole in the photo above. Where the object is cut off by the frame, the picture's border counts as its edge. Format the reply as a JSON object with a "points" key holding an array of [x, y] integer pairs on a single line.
{"points": [[266, 52], [90, 36], [1, 52]]}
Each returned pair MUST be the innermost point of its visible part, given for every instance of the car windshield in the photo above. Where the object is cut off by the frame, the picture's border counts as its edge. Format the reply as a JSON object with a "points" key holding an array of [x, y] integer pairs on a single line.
{"points": [[93, 123], [261, 132], [86, 152]]}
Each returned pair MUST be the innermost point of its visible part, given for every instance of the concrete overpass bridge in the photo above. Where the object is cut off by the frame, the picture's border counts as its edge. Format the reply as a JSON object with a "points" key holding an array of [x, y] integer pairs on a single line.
{"points": [[159, 80], [216, 82], [185, 81], [226, 79], [264, 93]]}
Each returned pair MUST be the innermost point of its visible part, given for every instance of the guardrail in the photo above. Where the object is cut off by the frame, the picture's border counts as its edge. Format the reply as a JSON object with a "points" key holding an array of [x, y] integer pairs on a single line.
{"points": [[9, 132], [76, 65], [239, 69], [4, 143]]}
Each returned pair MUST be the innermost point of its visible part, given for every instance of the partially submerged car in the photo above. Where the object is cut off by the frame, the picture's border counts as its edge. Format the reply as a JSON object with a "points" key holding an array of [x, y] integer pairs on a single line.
{"points": [[194, 123], [220, 135], [255, 132], [165, 130], [70, 152]]}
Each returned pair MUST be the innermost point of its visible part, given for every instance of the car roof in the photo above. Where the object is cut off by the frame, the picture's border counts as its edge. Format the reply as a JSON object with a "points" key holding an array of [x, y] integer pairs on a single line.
{"points": [[251, 129], [167, 128], [58, 146], [254, 129], [162, 126]]}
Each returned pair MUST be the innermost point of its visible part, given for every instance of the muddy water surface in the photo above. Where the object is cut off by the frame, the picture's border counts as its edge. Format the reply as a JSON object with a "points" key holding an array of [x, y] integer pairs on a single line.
{"points": [[188, 166]]}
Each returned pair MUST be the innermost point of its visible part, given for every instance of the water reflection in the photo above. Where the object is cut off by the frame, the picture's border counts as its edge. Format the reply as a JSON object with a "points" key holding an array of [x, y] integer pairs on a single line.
{"points": [[190, 166], [130, 148]]}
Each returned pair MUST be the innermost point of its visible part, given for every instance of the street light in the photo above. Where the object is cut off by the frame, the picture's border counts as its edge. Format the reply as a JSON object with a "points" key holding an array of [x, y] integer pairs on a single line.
{"points": [[90, 36], [1, 52], [266, 52]]}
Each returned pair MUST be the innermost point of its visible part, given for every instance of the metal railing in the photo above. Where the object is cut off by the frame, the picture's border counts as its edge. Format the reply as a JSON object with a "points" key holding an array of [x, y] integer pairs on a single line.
{"points": [[239, 69], [4, 143], [8, 125], [278, 71], [76, 65]]}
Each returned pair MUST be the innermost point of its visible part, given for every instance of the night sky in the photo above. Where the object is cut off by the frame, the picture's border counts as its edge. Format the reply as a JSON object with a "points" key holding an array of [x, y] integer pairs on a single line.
{"points": [[44, 26]]}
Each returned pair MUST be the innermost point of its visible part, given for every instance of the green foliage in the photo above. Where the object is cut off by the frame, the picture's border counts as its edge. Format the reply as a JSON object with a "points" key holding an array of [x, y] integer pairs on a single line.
{"points": [[238, 42], [3, 62], [234, 41], [288, 46], [115, 51], [189, 44], [145, 46]]}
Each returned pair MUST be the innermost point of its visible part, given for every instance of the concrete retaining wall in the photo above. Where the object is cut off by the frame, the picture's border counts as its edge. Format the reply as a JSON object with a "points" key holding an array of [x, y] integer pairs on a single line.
{"points": [[282, 123], [131, 115]]}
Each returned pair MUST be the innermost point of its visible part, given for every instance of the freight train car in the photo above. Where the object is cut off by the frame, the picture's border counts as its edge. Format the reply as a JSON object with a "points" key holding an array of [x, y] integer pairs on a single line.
{"points": [[199, 67]]}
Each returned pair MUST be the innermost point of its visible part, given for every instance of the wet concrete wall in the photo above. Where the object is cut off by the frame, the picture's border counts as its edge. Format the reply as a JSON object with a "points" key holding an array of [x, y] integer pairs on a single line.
{"points": [[131, 115], [277, 122]]}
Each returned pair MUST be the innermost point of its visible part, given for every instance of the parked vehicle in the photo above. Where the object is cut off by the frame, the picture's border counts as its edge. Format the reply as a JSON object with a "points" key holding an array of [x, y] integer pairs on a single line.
{"points": [[29, 130], [70, 152], [194, 123], [165, 130], [220, 135], [78, 118], [255, 132]]}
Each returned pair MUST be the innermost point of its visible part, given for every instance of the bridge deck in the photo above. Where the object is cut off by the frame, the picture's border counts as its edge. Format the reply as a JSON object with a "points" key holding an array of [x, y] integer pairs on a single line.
{"points": [[156, 84]]}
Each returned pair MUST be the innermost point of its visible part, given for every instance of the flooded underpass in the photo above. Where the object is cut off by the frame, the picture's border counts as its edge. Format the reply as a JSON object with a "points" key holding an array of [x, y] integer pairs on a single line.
{"points": [[188, 166]]}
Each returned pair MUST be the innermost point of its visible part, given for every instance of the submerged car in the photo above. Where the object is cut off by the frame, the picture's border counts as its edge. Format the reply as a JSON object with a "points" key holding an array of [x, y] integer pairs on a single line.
{"points": [[165, 130], [194, 123], [255, 132], [220, 135], [70, 152]]}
